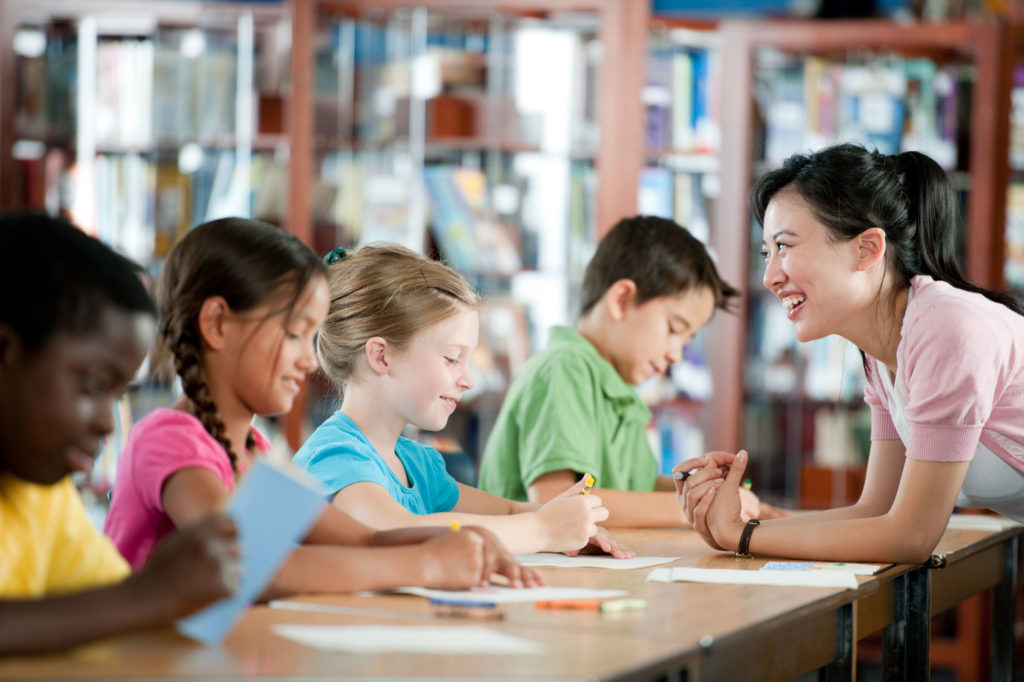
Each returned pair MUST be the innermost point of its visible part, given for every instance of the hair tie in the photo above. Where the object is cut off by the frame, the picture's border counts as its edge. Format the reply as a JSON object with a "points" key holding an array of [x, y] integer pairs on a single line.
{"points": [[338, 254]]}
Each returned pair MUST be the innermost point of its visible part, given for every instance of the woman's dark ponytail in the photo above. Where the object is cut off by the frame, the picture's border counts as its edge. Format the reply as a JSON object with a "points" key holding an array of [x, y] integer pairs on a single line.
{"points": [[850, 189]]}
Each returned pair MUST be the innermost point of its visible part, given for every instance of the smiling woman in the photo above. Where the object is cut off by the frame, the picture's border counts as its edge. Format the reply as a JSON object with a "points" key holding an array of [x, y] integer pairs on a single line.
{"points": [[862, 245]]}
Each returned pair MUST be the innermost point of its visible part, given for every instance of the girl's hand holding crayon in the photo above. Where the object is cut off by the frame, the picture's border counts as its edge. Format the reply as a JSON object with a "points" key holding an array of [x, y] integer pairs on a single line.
{"points": [[193, 567], [571, 519], [603, 542]]}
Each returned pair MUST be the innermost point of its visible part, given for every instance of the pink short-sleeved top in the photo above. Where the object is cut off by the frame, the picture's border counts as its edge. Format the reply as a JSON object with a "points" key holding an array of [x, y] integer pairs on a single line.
{"points": [[958, 392], [163, 442]]}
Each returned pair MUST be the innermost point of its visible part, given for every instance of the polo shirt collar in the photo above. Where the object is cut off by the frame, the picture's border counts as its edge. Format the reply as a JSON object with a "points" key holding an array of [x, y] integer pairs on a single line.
{"points": [[622, 394]]}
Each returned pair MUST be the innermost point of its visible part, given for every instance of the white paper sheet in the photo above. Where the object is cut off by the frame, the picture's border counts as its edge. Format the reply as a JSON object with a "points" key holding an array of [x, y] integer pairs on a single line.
{"points": [[738, 577], [510, 595], [979, 522], [591, 561], [419, 639]]}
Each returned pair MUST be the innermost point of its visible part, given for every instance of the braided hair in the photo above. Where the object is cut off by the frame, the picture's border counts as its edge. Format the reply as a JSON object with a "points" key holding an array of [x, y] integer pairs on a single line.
{"points": [[245, 262]]}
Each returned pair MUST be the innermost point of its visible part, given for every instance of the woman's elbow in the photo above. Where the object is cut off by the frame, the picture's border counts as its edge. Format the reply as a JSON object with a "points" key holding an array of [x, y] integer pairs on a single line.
{"points": [[914, 547]]}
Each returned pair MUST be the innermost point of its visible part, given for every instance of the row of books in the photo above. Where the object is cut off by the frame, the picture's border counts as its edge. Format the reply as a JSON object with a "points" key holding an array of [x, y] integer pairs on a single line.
{"points": [[142, 207], [892, 104], [148, 91], [682, 100]]}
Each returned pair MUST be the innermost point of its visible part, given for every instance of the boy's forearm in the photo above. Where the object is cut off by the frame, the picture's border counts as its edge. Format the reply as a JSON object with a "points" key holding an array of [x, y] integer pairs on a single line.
{"points": [[56, 623], [636, 509], [523, 507], [664, 484]]}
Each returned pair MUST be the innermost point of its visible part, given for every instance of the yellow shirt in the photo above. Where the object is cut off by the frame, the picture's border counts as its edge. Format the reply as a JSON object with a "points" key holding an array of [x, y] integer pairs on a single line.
{"points": [[48, 545]]}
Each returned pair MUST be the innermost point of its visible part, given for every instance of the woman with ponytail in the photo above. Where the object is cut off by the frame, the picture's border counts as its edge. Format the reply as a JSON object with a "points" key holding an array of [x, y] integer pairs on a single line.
{"points": [[239, 304], [863, 245]]}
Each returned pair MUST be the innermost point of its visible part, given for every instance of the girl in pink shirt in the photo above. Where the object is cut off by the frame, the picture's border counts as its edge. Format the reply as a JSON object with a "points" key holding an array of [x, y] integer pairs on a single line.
{"points": [[239, 304], [863, 245]]}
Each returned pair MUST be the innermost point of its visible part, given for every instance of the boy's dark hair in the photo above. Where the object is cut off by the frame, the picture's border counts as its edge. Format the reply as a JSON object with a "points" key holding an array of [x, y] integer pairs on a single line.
{"points": [[54, 277], [246, 262], [659, 255]]}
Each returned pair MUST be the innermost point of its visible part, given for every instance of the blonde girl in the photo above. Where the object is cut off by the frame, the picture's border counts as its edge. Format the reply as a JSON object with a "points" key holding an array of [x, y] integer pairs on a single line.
{"points": [[397, 343]]}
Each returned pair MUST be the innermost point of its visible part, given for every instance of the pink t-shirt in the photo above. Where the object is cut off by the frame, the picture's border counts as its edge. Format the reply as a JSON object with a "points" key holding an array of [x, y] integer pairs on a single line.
{"points": [[160, 444], [960, 368]]}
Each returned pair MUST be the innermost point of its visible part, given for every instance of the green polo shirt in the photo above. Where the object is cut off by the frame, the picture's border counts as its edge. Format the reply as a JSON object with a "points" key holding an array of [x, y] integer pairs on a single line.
{"points": [[569, 409]]}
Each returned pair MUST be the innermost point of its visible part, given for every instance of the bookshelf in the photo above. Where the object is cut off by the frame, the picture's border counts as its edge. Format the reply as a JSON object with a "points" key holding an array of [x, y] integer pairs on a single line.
{"points": [[1013, 269], [141, 120], [679, 181], [492, 134], [801, 396]]}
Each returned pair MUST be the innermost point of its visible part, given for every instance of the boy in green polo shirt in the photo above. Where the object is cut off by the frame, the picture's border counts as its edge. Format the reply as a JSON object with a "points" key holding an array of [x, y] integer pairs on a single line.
{"points": [[574, 409]]}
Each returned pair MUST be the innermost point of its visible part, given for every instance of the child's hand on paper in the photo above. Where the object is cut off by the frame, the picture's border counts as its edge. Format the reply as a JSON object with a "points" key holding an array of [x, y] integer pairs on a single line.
{"points": [[497, 559], [195, 566], [603, 543], [460, 561], [571, 518]]}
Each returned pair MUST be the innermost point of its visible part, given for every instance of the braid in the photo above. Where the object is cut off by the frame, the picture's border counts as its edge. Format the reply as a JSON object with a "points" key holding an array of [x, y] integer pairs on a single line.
{"points": [[184, 347]]}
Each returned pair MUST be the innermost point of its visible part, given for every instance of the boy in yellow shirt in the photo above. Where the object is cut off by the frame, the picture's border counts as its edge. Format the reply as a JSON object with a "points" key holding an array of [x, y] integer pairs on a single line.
{"points": [[75, 323]]}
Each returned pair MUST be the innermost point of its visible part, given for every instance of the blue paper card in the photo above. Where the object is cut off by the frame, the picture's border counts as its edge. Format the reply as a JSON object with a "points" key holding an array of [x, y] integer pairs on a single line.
{"points": [[273, 508]]}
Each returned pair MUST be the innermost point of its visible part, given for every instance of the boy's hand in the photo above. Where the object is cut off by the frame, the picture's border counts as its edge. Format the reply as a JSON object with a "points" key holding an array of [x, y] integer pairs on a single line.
{"points": [[193, 567]]}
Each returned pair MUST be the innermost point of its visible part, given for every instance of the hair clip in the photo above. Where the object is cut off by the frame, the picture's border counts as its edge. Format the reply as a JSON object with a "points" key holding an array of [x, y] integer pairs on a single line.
{"points": [[338, 254]]}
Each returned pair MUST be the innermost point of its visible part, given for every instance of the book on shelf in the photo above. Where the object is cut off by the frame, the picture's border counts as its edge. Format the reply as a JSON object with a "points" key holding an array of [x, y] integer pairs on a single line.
{"points": [[124, 93], [1014, 264], [656, 194], [172, 212], [681, 100], [469, 234], [657, 97], [674, 438], [1017, 119]]}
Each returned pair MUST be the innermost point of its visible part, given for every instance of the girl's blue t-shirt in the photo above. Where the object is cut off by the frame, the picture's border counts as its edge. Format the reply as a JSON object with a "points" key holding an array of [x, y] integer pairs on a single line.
{"points": [[338, 454]]}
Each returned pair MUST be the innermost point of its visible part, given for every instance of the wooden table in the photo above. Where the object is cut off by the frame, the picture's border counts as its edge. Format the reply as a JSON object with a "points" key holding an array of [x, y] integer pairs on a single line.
{"points": [[965, 563], [688, 630]]}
